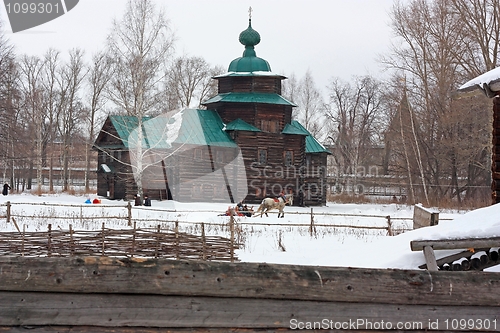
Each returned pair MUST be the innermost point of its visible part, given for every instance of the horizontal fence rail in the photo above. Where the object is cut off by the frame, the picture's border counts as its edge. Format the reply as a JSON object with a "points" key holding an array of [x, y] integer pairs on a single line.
{"points": [[127, 215]]}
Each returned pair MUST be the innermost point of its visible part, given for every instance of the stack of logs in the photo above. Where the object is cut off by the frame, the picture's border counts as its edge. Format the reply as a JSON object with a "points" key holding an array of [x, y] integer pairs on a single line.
{"points": [[477, 261]]}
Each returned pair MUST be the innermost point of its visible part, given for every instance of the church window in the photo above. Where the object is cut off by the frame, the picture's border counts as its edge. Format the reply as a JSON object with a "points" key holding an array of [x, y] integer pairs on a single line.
{"points": [[288, 157], [262, 156]]}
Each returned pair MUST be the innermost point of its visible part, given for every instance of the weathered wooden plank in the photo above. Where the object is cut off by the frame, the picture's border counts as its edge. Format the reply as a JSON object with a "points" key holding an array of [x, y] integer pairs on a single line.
{"points": [[101, 329], [119, 310], [430, 258], [248, 280], [451, 244]]}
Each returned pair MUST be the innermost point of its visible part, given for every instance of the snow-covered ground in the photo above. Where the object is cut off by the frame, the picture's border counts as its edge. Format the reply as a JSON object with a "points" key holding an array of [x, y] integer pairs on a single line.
{"points": [[269, 239]]}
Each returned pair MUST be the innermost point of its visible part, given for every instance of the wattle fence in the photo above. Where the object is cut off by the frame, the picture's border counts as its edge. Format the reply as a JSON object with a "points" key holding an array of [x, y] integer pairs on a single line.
{"points": [[121, 230]]}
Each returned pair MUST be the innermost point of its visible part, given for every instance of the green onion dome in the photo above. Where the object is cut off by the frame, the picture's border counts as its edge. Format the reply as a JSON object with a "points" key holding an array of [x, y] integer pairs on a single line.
{"points": [[249, 62]]}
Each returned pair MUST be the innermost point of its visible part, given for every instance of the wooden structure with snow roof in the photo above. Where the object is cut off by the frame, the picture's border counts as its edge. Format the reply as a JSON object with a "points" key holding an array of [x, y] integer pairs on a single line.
{"points": [[248, 113], [489, 84], [200, 146]]}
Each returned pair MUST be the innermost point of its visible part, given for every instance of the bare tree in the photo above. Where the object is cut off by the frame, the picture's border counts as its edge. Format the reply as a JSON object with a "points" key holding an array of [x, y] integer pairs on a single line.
{"points": [[52, 103], [186, 76], [140, 45], [99, 74], [208, 86], [355, 114], [480, 22], [71, 115], [31, 70], [311, 108], [434, 45], [9, 105]]}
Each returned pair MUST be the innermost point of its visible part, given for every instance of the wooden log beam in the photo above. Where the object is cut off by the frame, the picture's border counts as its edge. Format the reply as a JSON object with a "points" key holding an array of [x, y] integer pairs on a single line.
{"points": [[247, 280], [100, 329], [453, 244], [119, 310]]}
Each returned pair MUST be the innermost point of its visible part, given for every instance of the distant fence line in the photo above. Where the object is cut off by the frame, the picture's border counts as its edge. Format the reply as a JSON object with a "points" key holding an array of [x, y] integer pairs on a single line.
{"points": [[128, 217]]}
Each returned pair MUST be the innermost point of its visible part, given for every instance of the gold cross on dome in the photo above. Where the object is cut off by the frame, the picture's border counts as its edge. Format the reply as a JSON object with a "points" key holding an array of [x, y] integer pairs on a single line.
{"points": [[250, 10]]}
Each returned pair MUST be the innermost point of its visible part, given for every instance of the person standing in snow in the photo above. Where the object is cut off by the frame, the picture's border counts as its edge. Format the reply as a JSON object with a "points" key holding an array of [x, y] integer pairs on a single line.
{"points": [[6, 189], [147, 201]]}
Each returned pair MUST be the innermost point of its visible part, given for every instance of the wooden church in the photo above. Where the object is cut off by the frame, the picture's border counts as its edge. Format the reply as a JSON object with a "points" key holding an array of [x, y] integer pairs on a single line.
{"points": [[247, 130]]}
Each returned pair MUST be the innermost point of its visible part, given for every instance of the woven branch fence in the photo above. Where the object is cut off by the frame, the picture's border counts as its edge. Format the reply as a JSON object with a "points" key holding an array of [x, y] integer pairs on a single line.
{"points": [[164, 241], [144, 242]]}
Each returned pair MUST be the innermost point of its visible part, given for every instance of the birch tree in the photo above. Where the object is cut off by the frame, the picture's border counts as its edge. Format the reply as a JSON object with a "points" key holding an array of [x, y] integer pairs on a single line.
{"points": [[140, 45]]}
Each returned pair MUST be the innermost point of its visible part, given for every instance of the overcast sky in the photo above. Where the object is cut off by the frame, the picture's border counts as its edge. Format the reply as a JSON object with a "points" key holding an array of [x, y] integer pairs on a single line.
{"points": [[338, 38]]}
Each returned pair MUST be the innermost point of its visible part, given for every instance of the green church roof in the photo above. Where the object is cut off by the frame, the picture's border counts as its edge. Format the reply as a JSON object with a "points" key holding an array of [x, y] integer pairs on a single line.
{"points": [[124, 125], [249, 97], [241, 125], [190, 126], [291, 129], [249, 62], [312, 145]]}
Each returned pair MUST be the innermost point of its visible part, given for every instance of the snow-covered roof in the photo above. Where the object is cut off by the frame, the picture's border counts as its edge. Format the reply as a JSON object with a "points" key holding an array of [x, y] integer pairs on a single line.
{"points": [[488, 82]]}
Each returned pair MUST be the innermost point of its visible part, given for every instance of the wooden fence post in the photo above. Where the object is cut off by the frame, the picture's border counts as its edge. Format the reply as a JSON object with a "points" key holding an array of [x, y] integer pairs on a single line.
{"points": [[71, 241], [103, 239], [49, 241], [22, 244], [312, 228], [158, 234], [389, 226], [203, 242], [129, 209], [133, 240], [8, 211], [231, 226], [177, 255]]}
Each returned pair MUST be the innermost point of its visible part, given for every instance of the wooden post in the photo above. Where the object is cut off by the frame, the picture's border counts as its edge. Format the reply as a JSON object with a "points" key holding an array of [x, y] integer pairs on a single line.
{"points": [[231, 227], [133, 241], [203, 241], [177, 240], [103, 240], [312, 228], [8, 211], [71, 241], [389, 226], [129, 209], [157, 249], [49, 241], [22, 243]]}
